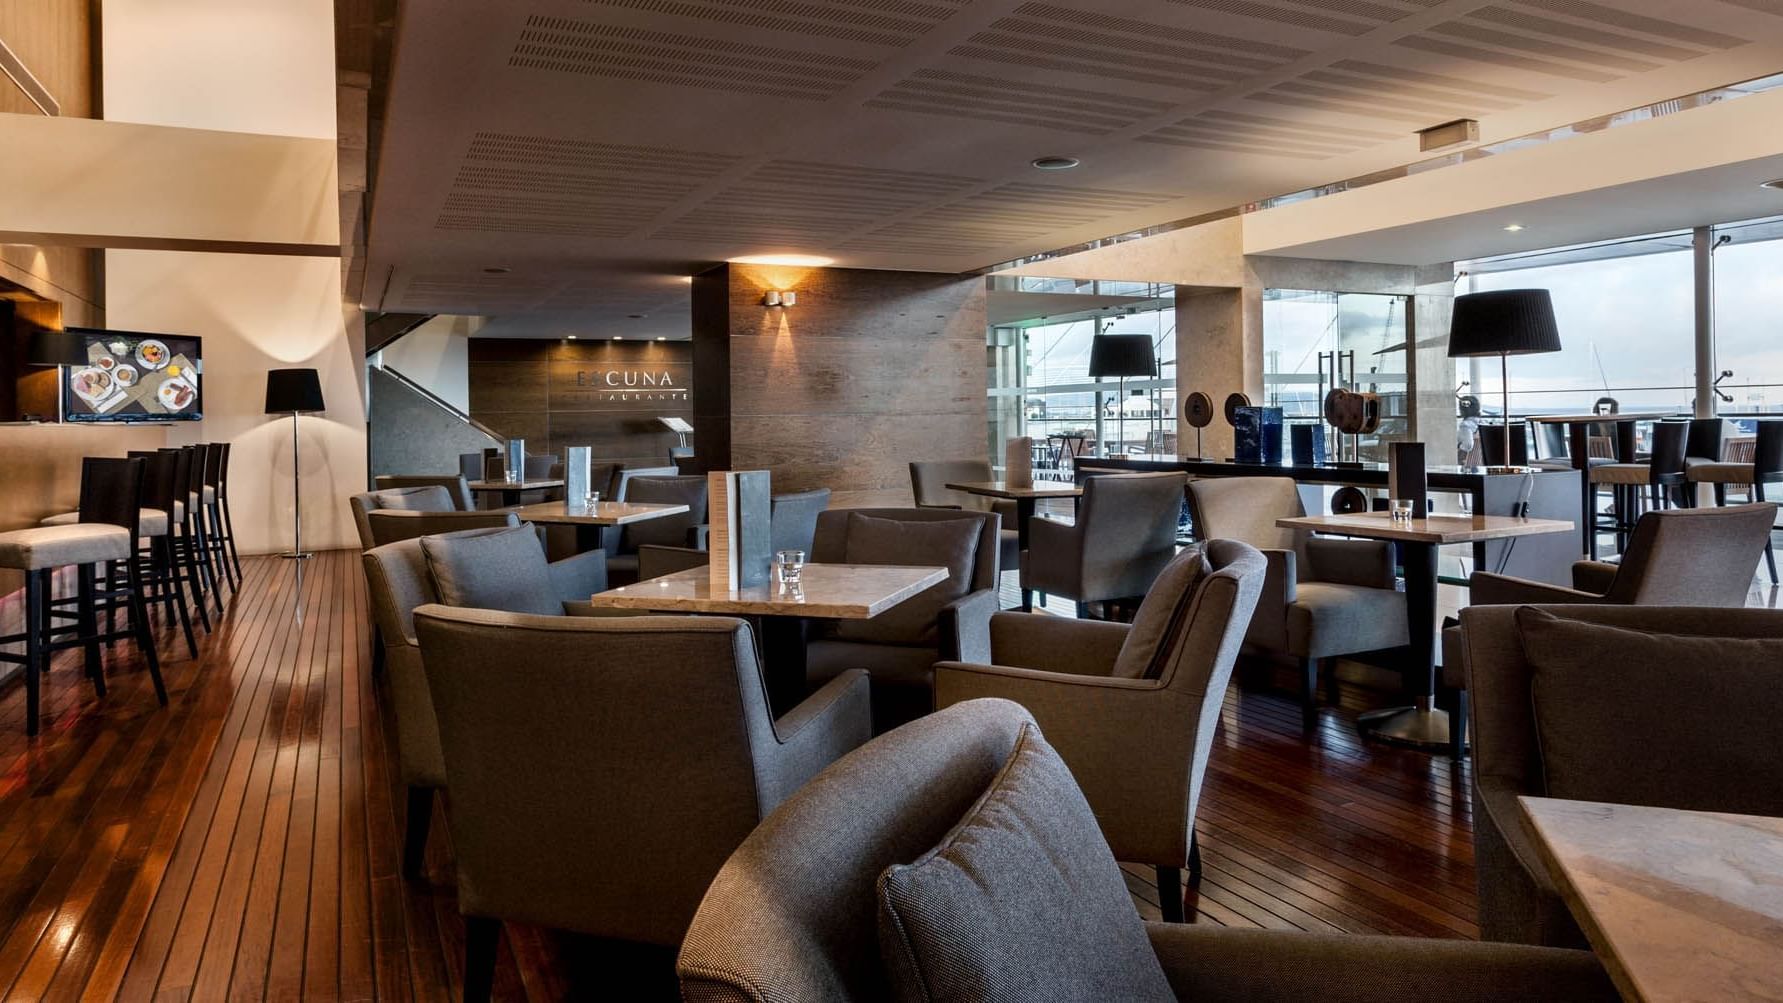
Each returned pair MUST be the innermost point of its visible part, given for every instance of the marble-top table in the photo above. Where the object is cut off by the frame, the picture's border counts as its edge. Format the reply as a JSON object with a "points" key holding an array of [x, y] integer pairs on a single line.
{"points": [[825, 592], [510, 491], [589, 521], [1024, 498], [1679, 905], [1422, 725]]}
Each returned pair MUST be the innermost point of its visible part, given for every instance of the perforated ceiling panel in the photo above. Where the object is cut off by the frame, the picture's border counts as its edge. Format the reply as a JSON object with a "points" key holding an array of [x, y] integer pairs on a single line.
{"points": [[875, 22], [812, 203], [1237, 132], [549, 185], [569, 45], [1006, 213]]}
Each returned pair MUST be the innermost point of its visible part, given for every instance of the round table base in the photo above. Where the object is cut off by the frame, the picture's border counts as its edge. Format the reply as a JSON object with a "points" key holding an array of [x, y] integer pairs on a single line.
{"points": [[1422, 726]]}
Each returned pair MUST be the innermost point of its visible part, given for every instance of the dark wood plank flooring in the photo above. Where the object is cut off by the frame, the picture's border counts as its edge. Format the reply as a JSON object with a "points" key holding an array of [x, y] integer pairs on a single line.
{"points": [[242, 843]]}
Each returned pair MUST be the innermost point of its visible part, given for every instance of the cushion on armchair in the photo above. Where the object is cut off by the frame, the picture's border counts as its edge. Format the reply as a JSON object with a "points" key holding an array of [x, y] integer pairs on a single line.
{"points": [[500, 569], [945, 543], [1161, 616], [432, 498], [1620, 715], [1021, 900]]}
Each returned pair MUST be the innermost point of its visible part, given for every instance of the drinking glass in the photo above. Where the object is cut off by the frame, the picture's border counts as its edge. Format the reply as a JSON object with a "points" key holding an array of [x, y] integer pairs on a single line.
{"points": [[789, 565], [590, 500], [1402, 510]]}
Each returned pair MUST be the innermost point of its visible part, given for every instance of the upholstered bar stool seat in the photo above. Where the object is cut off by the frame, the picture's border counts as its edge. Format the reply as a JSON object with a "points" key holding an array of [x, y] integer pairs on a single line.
{"points": [[154, 521], [43, 547], [1622, 473], [1715, 472]]}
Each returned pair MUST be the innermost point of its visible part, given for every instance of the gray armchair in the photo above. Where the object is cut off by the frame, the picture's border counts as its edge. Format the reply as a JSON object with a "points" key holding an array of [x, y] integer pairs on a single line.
{"points": [[928, 483], [1324, 597], [1132, 710], [453, 483], [399, 582], [792, 526], [793, 915], [1124, 534], [900, 651], [1518, 901], [419, 498], [602, 770], [685, 530], [396, 525]]}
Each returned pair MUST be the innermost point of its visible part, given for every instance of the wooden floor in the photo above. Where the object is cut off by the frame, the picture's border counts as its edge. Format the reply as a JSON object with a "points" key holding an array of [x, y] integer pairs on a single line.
{"points": [[242, 842]]}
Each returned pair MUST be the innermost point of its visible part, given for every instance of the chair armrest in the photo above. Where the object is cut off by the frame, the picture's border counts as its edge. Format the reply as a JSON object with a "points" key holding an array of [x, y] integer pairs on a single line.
{"points": [[824, 727], [582, 607], [1269, 622], [1488, 589], [955, 508], [1499, 799], [656, 560], [964, 626], [957, 682], [1233, 964], [1368, 563], [1056, 644], [580, 576], [1594, 576]]}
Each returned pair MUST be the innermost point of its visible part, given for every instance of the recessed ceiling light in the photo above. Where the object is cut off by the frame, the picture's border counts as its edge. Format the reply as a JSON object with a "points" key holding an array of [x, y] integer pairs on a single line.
{"points": [[496, 270], [1054, 163], [1776, 184], [618, 338], [570, 337], [661, 338], [1513, 228], [805, 260]]}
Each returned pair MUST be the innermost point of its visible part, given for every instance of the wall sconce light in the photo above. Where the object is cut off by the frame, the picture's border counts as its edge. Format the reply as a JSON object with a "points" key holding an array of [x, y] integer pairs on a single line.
{"points": [[775, 297]]}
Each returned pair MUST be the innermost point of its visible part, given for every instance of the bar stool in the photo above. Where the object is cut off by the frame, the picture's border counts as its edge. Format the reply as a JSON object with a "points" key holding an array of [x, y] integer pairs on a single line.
{"points": [[1661, 477], [1766, 468], [228, 519], [154, 551], [188, 551], [199, 538], [111, 519], [213, 514]]}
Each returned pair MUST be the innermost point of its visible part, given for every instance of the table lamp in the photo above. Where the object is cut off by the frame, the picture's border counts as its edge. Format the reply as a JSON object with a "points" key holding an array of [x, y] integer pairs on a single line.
{"points": [[294, 392], [1504, 322], [1122, 355]]}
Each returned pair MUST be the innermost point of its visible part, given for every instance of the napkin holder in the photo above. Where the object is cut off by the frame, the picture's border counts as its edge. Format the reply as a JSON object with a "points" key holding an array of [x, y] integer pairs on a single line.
{"points": [[1018, 462]]}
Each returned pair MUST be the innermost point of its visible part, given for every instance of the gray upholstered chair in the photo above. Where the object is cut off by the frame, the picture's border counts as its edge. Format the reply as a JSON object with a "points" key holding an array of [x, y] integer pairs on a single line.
{"points": [[1124, 534], [1763, 465], [454, 483], [398, 582], [602, 770], [928, 483], [1678, 557], [1324, 597], [793, 915], [949, 622], [684, 530], [1518, 901], [792, 525], [624, 476], [1132, 710], [425, 498], [394, 525]]}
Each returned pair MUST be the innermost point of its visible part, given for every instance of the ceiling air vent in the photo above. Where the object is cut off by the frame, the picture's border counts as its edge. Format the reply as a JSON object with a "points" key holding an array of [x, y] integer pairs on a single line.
{"points": [[1441, 137]]}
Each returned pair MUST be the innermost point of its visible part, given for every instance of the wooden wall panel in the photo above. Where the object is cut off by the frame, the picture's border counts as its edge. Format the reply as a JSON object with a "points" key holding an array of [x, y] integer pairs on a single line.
{"points": [[603, 394], [869, 371]]}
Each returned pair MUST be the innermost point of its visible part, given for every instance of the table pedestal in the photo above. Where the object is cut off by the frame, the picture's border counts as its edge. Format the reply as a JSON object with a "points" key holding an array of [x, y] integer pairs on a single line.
{"points": [[783, 662], [1421, 725]]}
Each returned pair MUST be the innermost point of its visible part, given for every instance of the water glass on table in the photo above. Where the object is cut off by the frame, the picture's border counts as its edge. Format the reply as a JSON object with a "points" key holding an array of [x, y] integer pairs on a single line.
{"points": [[789, 566]]}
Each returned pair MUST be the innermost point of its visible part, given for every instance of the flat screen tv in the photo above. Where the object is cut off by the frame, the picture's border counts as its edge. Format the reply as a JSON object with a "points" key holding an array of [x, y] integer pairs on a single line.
{"points": [[134, 376]]}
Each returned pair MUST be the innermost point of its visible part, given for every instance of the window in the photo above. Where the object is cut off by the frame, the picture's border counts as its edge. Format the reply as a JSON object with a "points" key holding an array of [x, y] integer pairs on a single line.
{"points": [[1749, 316], [1304, 328]]}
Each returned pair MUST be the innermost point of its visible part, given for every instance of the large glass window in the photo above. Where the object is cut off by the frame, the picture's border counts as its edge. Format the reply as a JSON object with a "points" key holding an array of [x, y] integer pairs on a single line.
{"points": [[1040, 338], [1749, 316], [1315, 339]]}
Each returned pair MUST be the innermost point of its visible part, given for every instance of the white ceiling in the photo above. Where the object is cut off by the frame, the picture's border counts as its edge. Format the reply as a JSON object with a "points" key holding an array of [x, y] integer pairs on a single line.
{"points": [[601, 150]]}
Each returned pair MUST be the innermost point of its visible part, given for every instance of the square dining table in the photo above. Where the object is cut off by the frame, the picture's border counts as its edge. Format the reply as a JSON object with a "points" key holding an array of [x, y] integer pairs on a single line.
{"points": [[824, 592], [1421, 725], [589, 520]]}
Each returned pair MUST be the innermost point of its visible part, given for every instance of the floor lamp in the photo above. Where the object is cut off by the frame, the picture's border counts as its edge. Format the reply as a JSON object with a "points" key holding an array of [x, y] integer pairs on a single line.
{"points": [[1122, 355], [1504, 322], [294, 392]]}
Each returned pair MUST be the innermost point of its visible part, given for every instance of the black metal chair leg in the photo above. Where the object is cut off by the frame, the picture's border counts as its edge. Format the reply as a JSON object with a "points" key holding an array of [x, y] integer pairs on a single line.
{"points": [[145, 638], [482, 936], [1309, 693], [36, 616], [87, 625], [1458, 728], [1170, 893], [414, 833], [167, 577], [229, 537]]}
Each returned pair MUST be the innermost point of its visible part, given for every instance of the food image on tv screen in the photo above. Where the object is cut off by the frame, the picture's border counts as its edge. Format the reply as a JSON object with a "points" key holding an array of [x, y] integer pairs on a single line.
{"points": [[131, 376]]}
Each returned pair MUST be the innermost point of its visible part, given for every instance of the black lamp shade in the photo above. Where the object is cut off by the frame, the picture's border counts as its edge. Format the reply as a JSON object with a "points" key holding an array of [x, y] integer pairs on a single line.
{"points": [[1121, 355], [1503, 322], [289, 390], [54, 348]]}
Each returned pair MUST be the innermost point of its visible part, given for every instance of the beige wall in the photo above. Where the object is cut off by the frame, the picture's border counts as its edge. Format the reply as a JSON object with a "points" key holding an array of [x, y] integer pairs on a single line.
{"points": [[249, 66], [437, 356]]}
